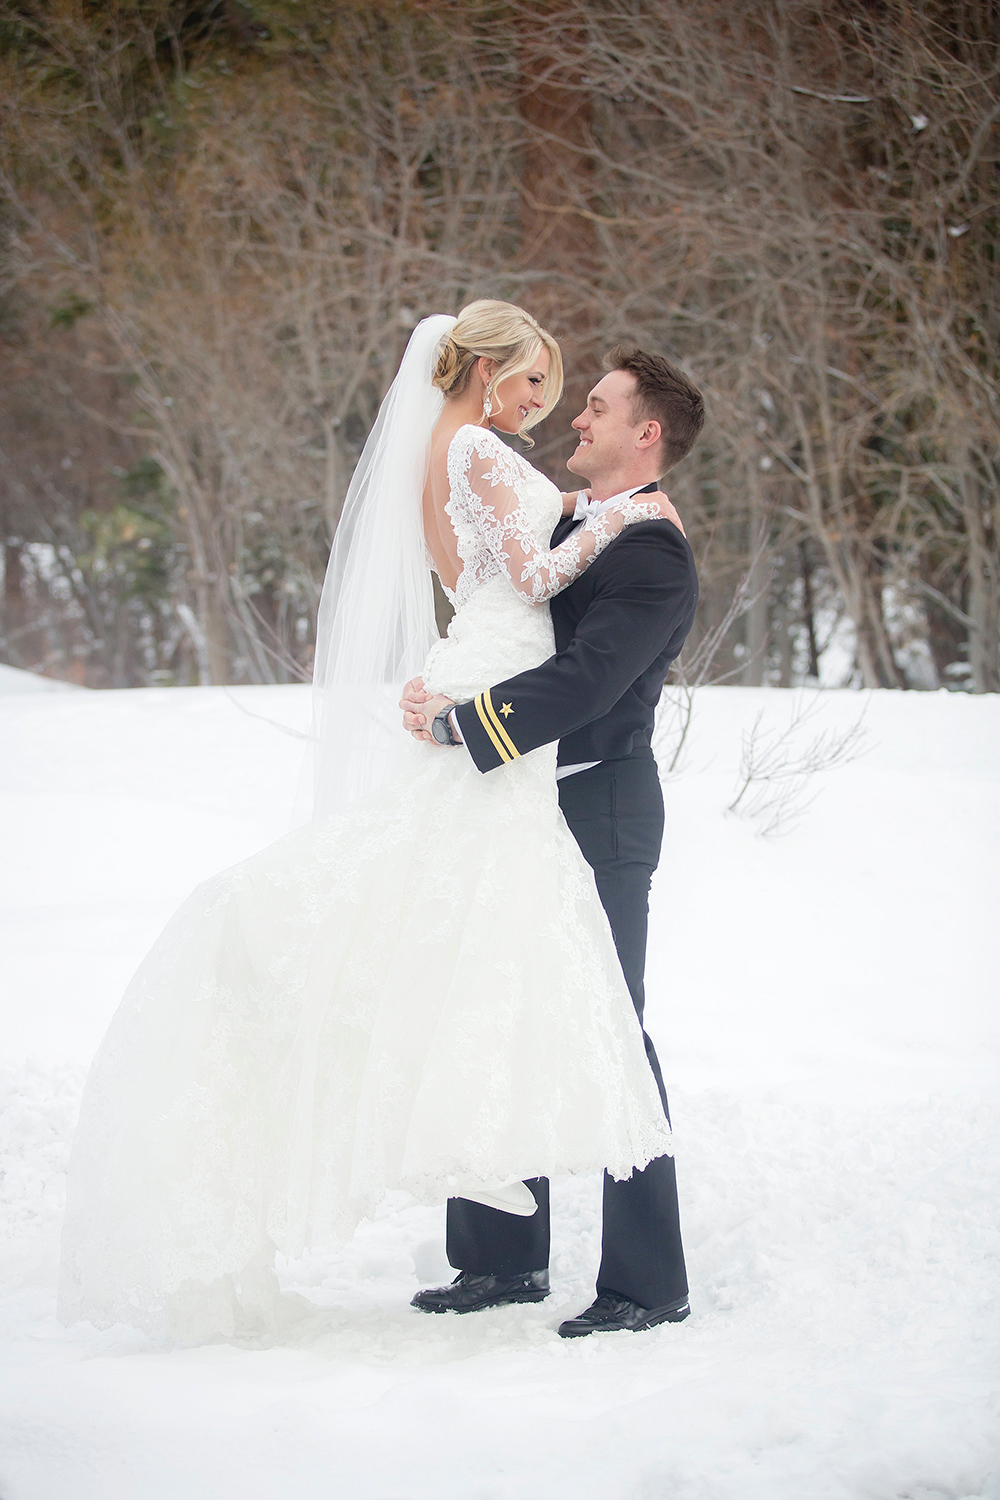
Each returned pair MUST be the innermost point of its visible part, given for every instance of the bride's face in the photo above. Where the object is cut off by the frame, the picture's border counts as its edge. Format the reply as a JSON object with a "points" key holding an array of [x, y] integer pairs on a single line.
{"points": [[520, 395]]}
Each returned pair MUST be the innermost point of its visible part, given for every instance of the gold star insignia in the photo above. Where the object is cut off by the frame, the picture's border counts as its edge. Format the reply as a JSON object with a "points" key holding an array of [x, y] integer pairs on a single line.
{"points": [[506, 709]]}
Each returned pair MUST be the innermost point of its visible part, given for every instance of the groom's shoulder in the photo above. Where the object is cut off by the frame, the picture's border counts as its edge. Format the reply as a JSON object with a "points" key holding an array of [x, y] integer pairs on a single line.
{"points": [[651, 548]]}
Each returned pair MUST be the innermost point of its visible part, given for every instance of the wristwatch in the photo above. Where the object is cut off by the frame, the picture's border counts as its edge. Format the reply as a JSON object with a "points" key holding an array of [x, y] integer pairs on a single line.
{"points": [[441, 729]]}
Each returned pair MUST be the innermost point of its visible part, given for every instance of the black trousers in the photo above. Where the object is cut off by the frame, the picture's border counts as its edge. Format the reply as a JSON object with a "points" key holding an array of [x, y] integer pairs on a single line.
{"points": [[615, 812]]}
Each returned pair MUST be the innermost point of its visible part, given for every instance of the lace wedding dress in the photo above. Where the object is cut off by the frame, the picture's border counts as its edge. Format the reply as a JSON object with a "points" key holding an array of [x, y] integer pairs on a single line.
{"points": [[420, 993]]}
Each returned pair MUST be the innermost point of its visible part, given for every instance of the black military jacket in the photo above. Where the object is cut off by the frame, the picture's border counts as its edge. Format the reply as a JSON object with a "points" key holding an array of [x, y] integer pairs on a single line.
{"points": [[617, 629]]}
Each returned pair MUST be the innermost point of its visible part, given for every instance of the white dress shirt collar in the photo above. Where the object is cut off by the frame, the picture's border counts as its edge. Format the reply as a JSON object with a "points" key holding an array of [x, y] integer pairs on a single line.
{"points": [[585, 507]]}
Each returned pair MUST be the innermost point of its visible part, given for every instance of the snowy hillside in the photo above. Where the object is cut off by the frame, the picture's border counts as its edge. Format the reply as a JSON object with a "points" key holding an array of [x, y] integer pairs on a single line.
{"points": [[825, 1006], [12, 680]]}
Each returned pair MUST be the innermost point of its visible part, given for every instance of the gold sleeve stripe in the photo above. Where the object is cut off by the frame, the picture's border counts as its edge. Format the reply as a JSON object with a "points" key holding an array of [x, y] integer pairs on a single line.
{"points": [[498, 726], [498, 747]]}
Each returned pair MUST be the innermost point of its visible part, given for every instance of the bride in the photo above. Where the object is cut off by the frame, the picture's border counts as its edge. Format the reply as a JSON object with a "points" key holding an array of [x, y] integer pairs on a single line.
{"points": [[418, 989]]}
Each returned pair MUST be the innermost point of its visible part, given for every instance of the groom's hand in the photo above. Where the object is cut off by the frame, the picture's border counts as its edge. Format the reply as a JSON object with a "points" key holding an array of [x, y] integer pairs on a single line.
{"points": [[419, 709], [415, 695], [418, 720]]}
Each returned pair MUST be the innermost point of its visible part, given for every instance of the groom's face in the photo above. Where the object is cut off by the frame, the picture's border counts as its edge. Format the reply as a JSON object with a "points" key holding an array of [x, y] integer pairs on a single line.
{"points": [[607, 428]]}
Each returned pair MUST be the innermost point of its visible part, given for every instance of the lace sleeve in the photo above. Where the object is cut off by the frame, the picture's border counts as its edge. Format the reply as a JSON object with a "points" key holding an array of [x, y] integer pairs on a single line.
{"points": [[487, 478]]}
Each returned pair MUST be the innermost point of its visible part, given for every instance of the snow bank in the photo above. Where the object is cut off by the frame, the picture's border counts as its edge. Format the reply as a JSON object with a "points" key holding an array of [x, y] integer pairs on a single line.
{"points": [[12, 680], [824, 1006]]}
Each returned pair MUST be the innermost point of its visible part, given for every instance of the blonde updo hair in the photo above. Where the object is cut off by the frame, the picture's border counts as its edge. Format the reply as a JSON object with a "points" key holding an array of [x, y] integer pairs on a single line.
{"points": [[510, 336]]}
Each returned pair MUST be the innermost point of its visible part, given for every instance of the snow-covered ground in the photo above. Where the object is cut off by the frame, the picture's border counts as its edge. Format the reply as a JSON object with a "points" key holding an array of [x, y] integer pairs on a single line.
{"points": [[825, 1008]]}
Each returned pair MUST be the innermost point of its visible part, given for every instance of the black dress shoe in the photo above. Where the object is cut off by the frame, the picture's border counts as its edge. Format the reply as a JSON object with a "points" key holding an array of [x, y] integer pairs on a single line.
{"points": [[468, 1293], [611, 1312]]}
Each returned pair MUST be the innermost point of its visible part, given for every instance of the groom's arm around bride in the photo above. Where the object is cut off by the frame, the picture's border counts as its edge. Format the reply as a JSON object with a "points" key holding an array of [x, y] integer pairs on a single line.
{"points": [[617, 629]]}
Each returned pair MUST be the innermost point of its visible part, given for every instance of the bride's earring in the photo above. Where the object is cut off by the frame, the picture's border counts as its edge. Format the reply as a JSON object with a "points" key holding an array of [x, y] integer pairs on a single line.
{"points": [[488, 403]]}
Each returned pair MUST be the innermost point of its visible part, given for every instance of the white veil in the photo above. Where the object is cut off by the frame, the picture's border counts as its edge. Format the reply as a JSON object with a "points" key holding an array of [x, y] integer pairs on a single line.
{"points": [[376, 614]]}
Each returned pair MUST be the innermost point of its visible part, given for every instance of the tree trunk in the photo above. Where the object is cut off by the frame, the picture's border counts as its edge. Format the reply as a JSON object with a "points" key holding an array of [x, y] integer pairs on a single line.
{"points": [[809, 609], [13, 600], [558, 233], [984, 585], [756, 632]]}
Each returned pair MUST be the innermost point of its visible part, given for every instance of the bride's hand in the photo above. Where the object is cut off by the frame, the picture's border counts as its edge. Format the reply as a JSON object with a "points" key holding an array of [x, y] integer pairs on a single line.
{"points": [[667, 510]]}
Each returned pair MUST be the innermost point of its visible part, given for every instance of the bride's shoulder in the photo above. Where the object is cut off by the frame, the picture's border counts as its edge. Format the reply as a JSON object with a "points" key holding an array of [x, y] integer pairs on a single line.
{"points": [[485, 443], [470, 436]]}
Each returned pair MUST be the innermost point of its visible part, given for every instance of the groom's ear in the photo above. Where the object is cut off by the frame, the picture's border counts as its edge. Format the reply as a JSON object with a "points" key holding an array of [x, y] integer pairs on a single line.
{"points": [[649, 435]]}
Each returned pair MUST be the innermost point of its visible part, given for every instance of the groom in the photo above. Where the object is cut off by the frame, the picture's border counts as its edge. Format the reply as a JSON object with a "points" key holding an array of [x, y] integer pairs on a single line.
{"points": [[617, 630]]}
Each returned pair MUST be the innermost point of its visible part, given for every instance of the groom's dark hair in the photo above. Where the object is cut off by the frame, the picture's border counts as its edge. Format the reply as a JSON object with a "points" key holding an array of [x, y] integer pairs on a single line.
{"points": [[663, 394]]}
